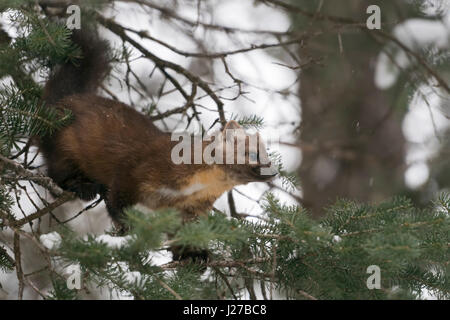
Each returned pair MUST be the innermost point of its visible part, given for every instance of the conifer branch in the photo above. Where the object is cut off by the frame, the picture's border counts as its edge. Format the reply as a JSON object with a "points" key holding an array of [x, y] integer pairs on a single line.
{"points": [[44, 181]]}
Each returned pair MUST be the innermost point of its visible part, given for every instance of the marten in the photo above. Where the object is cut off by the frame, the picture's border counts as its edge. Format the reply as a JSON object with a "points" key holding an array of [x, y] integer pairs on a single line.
{"points": [[112, 150]]}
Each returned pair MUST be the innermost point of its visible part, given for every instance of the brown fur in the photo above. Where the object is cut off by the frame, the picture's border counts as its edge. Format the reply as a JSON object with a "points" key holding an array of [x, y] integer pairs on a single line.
{"points": [[114, 151]]}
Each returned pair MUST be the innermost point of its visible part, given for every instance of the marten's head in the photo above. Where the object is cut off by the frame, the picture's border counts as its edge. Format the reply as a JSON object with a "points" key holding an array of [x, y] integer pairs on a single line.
{"points": [[244, 155]]}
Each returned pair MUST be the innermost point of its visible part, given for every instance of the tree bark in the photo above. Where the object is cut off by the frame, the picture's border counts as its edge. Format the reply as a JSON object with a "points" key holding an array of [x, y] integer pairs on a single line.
{"points": [[354, 137]]}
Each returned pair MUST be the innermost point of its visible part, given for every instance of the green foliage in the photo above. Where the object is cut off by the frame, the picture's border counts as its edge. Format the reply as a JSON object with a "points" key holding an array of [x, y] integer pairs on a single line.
{"points": [[284, 248], [40, 44], [14, 4], [254, 121], [326, 259], [214, 228], [49, 43], [149, 229], [21, 117], [289, 180], [6, 262], [61, 291], [5, 200], [128, 268], [23, 4]]}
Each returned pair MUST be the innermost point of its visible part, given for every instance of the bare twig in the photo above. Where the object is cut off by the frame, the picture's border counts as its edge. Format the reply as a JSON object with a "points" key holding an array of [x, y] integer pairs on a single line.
{"points": [[166, 286], [363, 27], [18, 258], [164, 64], [306, 295], [44, 181], [219, 55]]}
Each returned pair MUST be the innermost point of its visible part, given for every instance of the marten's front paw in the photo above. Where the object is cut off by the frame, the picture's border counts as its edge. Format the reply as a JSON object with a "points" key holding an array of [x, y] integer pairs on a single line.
{"points": [[198, 256], [120, 229]]}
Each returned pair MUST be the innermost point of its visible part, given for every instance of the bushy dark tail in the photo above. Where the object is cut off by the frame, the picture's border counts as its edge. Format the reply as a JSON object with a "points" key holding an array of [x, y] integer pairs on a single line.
{"points": [[83, 75]]}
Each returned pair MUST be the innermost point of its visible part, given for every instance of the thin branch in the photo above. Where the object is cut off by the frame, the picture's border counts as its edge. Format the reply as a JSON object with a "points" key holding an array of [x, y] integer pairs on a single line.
{"points": [[170, 13], [219, 55], [224, 279], [163, 64], [65, 197], [306, 295], [166, 286], [363, 27], [223, 263], [43, 181], [18, 258]]}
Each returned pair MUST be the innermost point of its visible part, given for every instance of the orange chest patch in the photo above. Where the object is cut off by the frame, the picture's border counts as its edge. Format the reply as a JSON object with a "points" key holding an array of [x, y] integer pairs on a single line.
{"points": [[197, 192], [207, 185]]}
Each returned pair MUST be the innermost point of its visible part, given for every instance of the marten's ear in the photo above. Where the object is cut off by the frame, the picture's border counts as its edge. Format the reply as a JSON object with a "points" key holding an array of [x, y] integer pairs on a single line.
{"points": [[233, 131], [232, 125]]}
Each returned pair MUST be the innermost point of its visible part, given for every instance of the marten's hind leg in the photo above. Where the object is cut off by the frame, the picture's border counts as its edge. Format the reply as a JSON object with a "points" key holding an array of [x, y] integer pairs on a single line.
{"points": [[117, 200]]}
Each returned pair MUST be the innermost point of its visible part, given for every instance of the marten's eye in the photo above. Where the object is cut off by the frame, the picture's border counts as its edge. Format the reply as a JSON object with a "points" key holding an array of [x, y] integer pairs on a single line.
{"points": [[253, 156]]}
